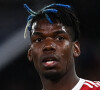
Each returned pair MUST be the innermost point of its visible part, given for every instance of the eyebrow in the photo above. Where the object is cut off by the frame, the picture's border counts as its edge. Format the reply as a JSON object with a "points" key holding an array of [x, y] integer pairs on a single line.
{"points": [[37, 33], [59, 32]]}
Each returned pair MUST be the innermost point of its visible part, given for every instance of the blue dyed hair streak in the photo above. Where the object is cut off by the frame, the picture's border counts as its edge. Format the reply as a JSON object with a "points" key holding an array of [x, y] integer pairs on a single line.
{"points": [[45, 11], [29, 19]]}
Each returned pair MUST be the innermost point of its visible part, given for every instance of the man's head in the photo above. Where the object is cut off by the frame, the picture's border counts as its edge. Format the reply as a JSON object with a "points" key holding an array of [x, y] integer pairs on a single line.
{"points": [[54, 40]]}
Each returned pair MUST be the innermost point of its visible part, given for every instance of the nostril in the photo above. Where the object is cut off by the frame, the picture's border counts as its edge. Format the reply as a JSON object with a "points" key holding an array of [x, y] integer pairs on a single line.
{"points": [[48, 49]]}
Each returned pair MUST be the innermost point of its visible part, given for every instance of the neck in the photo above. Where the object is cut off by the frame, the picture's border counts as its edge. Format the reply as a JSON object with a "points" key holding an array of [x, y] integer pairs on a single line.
{"points": [[68, 81]]}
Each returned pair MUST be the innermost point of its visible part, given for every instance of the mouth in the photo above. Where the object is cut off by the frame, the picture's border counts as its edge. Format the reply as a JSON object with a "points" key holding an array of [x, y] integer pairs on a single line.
{"points": [[50, 61]]}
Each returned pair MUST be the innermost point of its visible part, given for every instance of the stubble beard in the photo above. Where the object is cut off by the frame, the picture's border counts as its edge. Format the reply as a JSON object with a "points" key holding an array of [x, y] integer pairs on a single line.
{"points": [[54, 76]]}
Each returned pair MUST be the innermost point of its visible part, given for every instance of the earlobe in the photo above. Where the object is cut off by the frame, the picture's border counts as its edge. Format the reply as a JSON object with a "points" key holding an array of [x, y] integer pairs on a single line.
{"points": [[29, 55], [76, 49]]}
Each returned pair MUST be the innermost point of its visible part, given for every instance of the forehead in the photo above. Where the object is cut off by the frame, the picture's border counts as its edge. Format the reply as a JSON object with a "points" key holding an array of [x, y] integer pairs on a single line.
{"points": [[45, 26]]}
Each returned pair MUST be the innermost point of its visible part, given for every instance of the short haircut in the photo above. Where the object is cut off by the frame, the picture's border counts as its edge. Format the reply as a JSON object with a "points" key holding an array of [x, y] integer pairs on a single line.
{"points": [[65, 16]]}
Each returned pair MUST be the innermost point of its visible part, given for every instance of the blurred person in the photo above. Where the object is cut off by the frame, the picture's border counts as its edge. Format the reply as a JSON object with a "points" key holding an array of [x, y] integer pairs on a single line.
{"points": [[54, 35]]}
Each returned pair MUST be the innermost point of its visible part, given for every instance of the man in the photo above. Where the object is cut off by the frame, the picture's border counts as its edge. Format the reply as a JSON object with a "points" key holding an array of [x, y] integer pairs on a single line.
{"points": [[54, 33]]}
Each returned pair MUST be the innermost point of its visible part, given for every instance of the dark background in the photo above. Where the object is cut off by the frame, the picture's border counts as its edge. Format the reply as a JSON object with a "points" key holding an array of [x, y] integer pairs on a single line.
{"points": [[16, 72]]}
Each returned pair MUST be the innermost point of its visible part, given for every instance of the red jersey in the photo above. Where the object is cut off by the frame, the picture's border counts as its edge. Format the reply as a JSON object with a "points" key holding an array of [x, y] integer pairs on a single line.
{"points": [[87, 85]]}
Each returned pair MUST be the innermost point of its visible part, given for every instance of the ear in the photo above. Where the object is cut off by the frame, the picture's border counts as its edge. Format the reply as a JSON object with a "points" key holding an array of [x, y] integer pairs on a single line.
{"points": [[29, 54], [76, 50]]}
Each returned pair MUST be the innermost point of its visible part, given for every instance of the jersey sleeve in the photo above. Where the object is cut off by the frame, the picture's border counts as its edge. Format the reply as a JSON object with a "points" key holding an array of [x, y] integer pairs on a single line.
{"points": [[91, 85]]}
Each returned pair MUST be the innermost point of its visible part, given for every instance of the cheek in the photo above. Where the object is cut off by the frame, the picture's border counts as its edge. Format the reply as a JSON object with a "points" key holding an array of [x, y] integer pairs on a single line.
{"points": [[36, 52], [65, 48], [68, 48], [66, 51]]}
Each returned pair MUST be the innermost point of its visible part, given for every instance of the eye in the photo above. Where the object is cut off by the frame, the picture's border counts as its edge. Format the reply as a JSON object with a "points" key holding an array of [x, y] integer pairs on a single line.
{"points": [[38, 40], [60, 38]]}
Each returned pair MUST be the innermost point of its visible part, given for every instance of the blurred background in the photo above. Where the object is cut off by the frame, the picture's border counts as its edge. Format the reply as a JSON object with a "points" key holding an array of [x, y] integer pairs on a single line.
{"points": [[16, 72]]}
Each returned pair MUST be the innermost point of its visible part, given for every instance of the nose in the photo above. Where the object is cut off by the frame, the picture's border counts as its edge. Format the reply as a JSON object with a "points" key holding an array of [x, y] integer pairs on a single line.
{"points": [[49, 46]]}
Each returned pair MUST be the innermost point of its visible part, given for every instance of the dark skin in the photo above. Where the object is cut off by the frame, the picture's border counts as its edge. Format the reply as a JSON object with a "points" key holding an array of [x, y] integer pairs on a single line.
{"points": [[53, 51]]}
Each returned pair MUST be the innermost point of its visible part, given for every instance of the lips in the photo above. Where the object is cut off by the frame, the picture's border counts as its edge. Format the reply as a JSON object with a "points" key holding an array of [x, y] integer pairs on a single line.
{"points": [[49, 60]]}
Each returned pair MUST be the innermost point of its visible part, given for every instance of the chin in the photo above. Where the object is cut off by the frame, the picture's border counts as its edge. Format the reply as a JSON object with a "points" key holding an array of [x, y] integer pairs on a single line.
{"points": [[52, 75]]}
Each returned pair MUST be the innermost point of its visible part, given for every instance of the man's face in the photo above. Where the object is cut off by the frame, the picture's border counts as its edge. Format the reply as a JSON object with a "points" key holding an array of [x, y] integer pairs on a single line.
{"points": [[51, 48]]}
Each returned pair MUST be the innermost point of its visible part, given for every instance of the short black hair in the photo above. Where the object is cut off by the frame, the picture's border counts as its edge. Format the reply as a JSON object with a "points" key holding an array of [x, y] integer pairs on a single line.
{"points": [[65, 16]]}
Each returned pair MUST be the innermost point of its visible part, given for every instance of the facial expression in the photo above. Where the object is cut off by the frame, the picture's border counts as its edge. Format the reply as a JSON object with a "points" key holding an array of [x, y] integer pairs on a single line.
{"points": [[51, 48]]}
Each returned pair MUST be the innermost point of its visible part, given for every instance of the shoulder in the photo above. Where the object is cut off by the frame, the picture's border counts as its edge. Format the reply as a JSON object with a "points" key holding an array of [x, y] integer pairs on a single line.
{"points": [[91, 85]]}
